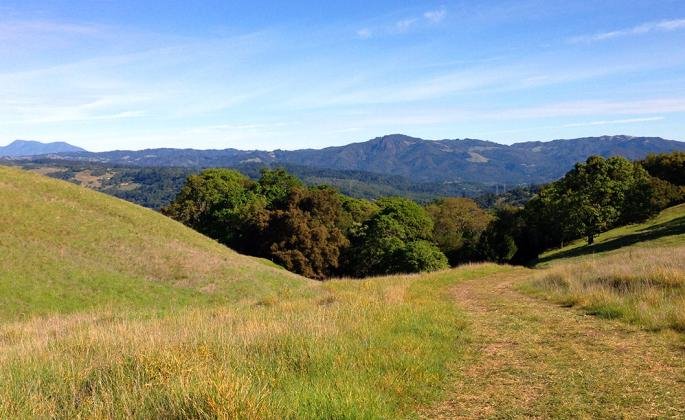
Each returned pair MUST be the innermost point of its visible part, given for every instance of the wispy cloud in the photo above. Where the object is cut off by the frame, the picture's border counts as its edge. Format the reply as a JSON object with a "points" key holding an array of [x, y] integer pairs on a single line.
{"points": [[364, 33], [645, 28], [14, 29], [613, 122], [642, 110], [590, 108], [435, 16], [402, 26]]}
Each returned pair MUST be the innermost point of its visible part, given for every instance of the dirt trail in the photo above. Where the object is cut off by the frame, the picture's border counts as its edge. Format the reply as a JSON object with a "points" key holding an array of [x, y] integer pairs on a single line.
{"points": [[531, 358]]}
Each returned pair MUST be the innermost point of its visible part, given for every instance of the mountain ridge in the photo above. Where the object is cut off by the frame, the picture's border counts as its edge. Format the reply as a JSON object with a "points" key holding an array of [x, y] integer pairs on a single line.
{"points": [[446, 160]]}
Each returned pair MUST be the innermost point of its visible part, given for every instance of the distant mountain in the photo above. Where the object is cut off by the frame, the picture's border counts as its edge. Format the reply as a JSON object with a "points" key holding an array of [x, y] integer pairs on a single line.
{"points": [[445, 161], [34, 148], [470, 160]]}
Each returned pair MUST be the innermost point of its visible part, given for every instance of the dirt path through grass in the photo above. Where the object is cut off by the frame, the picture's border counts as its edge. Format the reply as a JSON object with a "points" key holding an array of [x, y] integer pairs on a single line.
{"points": [[531, 358]]}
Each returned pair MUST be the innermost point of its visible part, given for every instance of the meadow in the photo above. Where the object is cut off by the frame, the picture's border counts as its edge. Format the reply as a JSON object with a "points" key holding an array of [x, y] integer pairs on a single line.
{"points": [[359, 349], [108, 310]]}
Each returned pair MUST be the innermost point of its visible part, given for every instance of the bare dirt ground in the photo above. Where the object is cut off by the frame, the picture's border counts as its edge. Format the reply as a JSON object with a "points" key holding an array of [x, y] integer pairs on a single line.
{"points": [[531, 358]]}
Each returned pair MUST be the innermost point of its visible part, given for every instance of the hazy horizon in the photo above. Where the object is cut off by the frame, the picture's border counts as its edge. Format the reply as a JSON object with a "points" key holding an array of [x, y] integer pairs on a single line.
{"points": [[132, 75], [352, 141]]}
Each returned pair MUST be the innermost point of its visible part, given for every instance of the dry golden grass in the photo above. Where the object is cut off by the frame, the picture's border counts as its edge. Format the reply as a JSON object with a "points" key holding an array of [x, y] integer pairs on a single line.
{"points": [[376, 348], [87, 179], [645, 286], [530, 358], [47, 170], [108, 310]]}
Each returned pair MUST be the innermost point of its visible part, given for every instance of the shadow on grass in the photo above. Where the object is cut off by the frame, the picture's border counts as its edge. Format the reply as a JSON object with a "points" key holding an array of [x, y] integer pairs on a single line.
{"points": [[672, 227]]}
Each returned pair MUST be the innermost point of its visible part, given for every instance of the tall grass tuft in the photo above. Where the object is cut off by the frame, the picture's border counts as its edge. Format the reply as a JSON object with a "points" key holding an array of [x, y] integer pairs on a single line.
{"points": [[643, 286]]}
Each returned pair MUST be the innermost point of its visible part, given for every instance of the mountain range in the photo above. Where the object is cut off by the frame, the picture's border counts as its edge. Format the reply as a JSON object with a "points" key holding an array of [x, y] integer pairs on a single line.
{"points": [[20, 148], [445, 161]]}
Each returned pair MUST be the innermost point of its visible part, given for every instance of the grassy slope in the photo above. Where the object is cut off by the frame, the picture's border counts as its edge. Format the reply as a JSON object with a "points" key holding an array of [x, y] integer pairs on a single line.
{"points": [[665, 230], [111, 310], [64, 248], [635, 273]]}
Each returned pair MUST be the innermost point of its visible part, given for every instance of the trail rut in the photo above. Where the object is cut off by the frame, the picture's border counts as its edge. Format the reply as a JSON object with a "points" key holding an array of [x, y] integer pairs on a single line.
{"points": [[531, 358]]}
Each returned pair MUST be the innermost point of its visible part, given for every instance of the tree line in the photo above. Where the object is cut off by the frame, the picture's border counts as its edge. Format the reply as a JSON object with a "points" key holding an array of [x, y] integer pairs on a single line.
{"points": [[320, 233]]}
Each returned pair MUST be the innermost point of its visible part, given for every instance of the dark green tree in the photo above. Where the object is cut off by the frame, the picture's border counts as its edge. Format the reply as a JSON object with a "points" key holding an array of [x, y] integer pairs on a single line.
{"points": [[594, 196], [667, 166], [305, 236], [212, 201], [397, 239], [498, 241], [275, 185], [457, 226]]}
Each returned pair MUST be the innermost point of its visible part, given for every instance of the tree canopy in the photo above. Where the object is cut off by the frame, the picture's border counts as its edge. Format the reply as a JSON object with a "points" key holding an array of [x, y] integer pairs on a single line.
{"points": [[457, 226], [320, 233]]}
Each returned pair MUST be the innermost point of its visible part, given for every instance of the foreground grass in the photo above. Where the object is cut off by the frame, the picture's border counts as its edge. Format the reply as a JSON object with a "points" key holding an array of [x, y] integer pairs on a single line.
{"points": [[530, 358], [373, 348], [109, 310]]}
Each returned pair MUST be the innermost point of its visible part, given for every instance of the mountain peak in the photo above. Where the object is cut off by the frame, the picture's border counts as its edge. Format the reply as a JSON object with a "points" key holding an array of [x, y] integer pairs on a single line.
{"points": [[396, 138], [35, 148]]}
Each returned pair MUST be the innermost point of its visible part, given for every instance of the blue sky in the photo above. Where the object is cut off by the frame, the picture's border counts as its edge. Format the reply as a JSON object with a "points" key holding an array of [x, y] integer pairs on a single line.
{"points": [[133, 74]]}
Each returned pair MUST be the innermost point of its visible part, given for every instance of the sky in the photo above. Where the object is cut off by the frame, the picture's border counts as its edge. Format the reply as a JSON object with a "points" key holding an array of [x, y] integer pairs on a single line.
{"points": [[135, 74]]}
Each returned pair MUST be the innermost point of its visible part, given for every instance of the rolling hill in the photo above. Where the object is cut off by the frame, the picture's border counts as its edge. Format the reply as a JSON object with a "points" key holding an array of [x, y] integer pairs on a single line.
{"points": [[444, 161], [110, 310], [65, 248], [23, 148]]}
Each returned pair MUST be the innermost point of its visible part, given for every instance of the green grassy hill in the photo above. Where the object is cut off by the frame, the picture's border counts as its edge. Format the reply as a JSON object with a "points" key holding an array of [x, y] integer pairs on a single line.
{"points": [[635, 273], [65, 248], [665, 230]]}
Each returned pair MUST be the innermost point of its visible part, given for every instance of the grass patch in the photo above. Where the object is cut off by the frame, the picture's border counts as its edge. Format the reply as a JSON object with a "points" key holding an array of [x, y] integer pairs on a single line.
{"points": [[634, 273], [376, 348], [643, 286]]}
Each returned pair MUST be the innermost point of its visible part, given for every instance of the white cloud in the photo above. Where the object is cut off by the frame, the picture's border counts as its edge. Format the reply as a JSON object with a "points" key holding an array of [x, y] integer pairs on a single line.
{"points": [[364, 33], [645, 28], [435, 16], [641, 109], [404, 25], [9, 30]]}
